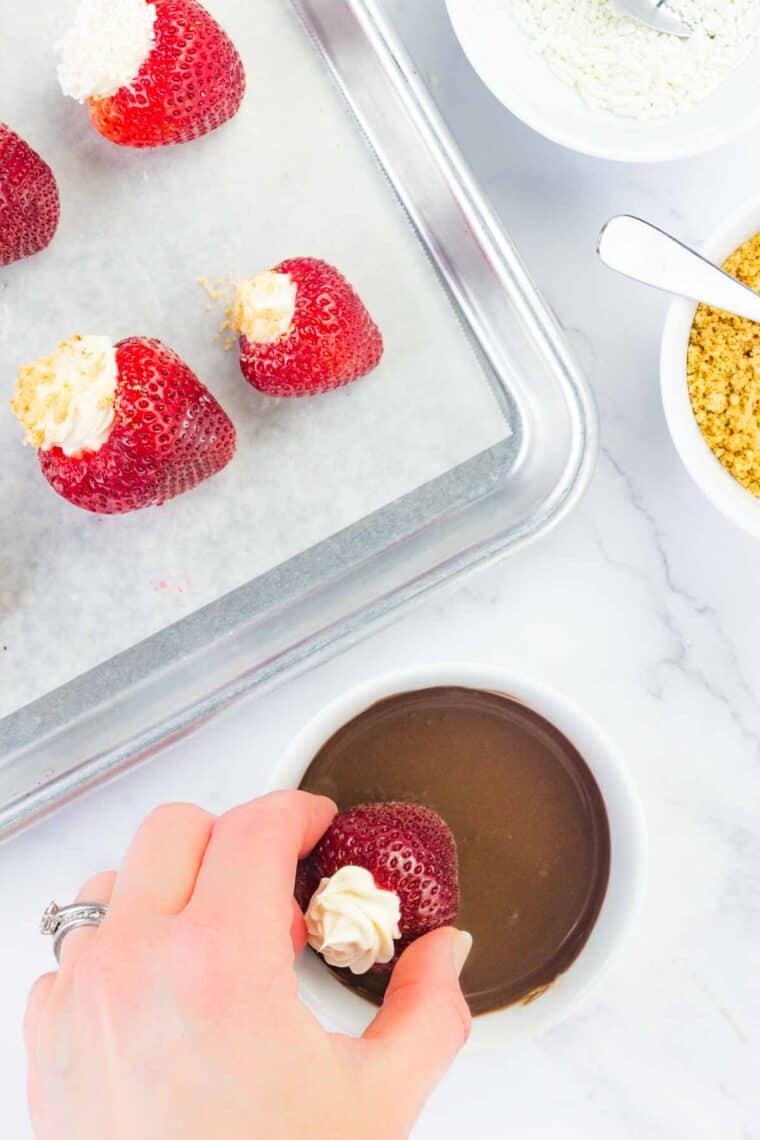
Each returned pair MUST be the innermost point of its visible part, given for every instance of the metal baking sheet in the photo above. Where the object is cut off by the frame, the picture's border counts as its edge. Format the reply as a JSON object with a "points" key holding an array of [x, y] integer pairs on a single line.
{"points": [[290, 175], [474, 435]]}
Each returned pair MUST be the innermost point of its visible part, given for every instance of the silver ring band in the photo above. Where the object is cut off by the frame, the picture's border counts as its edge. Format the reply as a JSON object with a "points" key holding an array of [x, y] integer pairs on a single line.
{"points": [[58, 921]]}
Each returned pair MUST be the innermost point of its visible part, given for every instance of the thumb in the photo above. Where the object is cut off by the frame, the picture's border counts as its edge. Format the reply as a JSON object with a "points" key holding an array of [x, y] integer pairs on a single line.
{"points": [[424, 1020]]}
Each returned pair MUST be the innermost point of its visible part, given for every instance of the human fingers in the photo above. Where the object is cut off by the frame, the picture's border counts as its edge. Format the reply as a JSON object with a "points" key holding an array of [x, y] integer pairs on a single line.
{"points": [[297, 929], [424, 1020], [160, 867], [98, 889], [38, 996], [251, 859]]}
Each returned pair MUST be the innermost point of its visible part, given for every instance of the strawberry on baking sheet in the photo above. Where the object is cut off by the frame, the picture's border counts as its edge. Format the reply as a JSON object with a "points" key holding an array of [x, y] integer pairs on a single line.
{"points": [[303, 329], [153, 71], [382, 875], [119, 427], [29, 203]]}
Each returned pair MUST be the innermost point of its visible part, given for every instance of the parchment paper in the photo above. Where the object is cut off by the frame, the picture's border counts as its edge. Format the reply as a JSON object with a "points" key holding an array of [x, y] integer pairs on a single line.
{"points": [[290, 175]]}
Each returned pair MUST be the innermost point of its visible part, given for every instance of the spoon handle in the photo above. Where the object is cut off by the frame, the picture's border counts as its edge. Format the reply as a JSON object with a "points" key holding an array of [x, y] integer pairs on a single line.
{"points": [[640, 250], [660, 15]]}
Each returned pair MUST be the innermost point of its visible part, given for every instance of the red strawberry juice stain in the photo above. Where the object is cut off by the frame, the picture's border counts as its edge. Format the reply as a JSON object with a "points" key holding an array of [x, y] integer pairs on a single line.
{"points": [[528, 817]]}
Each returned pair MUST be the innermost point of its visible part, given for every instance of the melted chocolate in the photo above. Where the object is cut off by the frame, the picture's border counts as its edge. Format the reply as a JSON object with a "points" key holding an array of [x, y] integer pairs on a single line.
{"points": [[527, 815]]}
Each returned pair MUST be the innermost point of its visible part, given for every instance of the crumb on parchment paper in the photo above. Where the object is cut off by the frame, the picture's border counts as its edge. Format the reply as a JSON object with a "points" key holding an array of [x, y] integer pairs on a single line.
{"points": [[723, 371], [221, 292]]}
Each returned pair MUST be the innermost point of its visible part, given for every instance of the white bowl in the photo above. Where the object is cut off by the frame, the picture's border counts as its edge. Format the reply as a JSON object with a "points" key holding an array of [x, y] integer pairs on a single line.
{"points": [[723, 491], [350, 1013], [503, 55]]}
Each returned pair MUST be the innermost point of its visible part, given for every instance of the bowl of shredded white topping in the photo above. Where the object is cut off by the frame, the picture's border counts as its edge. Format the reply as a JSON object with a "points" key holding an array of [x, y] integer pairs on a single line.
{"points": [[595, 81]]}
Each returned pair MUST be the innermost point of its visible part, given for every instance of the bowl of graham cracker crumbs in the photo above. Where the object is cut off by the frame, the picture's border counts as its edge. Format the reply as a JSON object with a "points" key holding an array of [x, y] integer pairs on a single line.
{"points": [[710, 377]]}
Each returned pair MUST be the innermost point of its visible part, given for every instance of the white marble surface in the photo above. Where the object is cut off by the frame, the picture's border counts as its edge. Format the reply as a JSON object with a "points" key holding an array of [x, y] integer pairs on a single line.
{"points": [[642, 607]]}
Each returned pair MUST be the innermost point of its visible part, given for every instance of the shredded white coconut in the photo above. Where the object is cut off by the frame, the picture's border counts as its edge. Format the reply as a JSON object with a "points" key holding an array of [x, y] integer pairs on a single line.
{"points": [[621, 66], [106, 46]]}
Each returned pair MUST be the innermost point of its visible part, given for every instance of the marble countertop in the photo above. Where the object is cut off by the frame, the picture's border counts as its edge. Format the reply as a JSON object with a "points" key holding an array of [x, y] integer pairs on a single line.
{"points": [[641, 607]]}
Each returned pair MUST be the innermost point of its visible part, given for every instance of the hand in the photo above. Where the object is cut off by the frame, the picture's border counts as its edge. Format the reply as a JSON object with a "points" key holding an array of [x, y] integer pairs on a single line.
{"points": [[179, 1016]]}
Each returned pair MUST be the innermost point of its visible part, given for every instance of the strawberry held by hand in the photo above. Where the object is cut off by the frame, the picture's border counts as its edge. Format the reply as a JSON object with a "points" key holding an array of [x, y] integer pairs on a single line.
{"points": [[303, 330], [29, 204], [119, 427], [381, 876], [153, 71]]}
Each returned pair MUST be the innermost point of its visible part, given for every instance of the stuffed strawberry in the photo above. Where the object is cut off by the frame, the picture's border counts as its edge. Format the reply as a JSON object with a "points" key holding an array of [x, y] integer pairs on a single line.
{"points": [[382, 875], [303, 330], [119, 427], [153, 71], [29, 205]]}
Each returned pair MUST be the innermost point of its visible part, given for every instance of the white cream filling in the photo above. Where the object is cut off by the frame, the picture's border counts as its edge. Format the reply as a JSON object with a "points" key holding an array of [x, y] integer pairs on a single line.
{"points": [[352, 922], [264, 306], [106, 46], [66, 399]]}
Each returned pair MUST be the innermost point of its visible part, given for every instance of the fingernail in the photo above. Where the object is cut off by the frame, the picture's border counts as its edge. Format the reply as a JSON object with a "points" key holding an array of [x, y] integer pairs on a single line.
{"points": [[462, 948]]}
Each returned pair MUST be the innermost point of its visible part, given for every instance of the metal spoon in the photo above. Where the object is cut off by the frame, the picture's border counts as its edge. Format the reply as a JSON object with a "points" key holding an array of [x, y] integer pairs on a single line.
{"points": [[658, 14], [642, 251]]}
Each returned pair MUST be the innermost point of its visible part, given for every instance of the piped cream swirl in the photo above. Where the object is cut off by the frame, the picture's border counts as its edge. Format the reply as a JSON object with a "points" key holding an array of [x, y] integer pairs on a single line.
{"points": [[352, 922]]}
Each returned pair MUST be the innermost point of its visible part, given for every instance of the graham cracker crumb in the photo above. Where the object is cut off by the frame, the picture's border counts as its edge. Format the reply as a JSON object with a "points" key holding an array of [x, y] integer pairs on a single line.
{"points": [[723, 372], [213, 291], [221, 292]]}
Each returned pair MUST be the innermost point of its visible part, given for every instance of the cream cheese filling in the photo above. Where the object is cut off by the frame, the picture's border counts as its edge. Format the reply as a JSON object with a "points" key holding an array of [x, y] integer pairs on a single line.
{"points": [[67, 399]]}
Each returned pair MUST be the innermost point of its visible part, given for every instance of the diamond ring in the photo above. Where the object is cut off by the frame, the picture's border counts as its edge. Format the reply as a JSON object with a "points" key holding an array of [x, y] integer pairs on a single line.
{"points": [[58, 921]]}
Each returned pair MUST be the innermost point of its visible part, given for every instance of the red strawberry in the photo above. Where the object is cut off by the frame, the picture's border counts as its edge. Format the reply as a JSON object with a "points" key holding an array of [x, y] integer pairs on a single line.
{"points": [[29, 205], [168, 434], [330, 338], [191, 82], [407, 848]]}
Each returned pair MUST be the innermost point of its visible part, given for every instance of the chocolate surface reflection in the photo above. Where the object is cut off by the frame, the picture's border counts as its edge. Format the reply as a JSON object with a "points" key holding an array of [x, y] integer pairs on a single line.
{"points": [[528, 817]]}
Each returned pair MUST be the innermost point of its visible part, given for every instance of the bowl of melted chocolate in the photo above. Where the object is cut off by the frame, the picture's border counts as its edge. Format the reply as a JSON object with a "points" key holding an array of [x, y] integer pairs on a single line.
{"points": [[547, 826]]}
